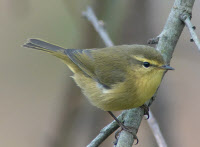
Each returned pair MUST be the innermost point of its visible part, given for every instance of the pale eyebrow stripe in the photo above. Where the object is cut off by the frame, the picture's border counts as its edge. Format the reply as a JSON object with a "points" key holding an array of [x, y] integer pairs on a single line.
{"points": [[142, 59]]}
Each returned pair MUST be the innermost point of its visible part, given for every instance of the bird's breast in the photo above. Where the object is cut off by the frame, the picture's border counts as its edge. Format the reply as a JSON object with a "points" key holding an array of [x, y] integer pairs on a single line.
{"points": [[147, 86]]}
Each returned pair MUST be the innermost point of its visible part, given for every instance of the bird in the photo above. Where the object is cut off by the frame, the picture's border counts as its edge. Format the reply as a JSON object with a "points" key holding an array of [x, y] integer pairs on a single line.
{"points": [[112, 78]]}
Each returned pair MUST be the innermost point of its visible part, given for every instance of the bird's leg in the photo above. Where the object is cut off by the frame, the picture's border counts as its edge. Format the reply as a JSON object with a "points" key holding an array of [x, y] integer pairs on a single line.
{"points": [[123, 127], [146, 110]]}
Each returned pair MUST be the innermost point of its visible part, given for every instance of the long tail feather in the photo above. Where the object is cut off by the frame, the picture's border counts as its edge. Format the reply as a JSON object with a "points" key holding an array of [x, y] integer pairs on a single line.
{"points": [[52, 49], [47, 47], [41, 45]]}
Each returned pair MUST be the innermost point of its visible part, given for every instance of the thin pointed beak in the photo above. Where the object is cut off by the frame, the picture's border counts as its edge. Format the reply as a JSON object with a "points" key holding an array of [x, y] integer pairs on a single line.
{"points": [[166, 67]]}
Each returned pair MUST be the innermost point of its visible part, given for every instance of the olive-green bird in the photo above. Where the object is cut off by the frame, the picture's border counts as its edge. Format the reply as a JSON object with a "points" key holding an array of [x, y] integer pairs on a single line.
{"points": [[112, 78]]}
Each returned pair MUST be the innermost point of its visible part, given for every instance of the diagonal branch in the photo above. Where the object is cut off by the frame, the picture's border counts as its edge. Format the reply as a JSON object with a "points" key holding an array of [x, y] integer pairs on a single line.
{"points": [[186, 19], [153, 124], [173, 28], [89, 14], [167, 42]]}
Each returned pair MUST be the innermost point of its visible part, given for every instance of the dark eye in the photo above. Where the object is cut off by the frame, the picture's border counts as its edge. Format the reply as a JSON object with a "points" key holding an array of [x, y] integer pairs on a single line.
{"points": [[146, 64]]}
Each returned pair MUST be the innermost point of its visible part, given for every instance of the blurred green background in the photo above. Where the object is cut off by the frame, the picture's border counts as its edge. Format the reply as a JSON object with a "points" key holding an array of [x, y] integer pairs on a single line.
{"points": [[40, 106]]}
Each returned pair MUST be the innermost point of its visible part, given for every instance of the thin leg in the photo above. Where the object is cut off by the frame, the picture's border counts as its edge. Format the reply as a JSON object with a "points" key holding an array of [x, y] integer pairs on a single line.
{"points": [[115, 118]]}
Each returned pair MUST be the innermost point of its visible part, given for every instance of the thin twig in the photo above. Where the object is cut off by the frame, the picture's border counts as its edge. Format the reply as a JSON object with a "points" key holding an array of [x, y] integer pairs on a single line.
{"points": [[89, 14], [156, 130], [187, 21]]}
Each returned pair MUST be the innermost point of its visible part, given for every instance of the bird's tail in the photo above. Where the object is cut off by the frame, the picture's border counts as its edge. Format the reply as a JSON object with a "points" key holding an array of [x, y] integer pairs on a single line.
{"points": [[47, 47]]}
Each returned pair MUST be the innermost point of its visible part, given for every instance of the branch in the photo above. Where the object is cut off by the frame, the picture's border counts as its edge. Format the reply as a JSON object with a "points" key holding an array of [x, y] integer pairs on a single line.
{"points": [[131, 119], [186, 19], [167, 42], [89, 14], [153, 124], [106, 131], [173, 28], [109, 129]]}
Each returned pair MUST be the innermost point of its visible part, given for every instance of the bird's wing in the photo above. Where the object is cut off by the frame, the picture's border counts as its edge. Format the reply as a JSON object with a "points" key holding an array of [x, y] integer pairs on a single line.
{"points": [[83, 60], [103, 68]]}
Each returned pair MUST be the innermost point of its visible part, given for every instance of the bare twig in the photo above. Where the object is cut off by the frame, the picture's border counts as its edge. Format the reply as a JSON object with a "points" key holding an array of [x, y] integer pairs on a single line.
{"points": [[186, 19], [173, 28], [156, 130], [89, 14]]}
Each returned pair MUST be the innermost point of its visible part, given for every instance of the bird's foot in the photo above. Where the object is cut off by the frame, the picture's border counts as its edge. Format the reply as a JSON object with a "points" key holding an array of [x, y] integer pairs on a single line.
{"points": [[131, 130], [146, 110], [128, 129]]}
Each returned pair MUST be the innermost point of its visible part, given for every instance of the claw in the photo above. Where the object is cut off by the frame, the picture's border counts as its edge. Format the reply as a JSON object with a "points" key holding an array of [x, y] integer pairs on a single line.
{"points": [[130, 130], [137, 140], [117, 134], [146, 110]]}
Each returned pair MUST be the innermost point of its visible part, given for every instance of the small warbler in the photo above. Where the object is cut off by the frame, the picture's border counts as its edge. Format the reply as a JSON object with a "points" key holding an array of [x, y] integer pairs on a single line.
{"points": [[112, 78]]}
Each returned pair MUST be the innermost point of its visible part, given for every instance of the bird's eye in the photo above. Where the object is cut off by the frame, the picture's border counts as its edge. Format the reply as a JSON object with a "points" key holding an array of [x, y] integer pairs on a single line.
{"points": [[146, 64]]}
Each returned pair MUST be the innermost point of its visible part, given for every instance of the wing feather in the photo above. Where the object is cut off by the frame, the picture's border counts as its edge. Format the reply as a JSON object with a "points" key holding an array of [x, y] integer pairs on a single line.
{"points": [[105, 70]]}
